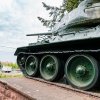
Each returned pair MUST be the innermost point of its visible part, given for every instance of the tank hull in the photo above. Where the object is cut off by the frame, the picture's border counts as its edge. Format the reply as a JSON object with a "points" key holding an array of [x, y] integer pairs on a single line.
{"points": [[81, 44]]}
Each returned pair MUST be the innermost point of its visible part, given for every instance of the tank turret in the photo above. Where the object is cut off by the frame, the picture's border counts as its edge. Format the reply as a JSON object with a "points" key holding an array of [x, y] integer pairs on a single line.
{"points": [[86, 15]]}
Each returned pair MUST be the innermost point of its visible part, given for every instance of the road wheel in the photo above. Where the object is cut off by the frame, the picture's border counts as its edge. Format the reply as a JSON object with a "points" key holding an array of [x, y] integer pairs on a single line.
{"points": [[32, 66], [82, 71], [51, 68]]}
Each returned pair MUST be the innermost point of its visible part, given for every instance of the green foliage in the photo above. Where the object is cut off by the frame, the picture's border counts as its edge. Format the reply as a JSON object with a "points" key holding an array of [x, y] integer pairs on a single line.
{"points": [[13, 65], [69, 5], [47, 23], [56, 13], [4, 75], [0, 65], [53, 12]]}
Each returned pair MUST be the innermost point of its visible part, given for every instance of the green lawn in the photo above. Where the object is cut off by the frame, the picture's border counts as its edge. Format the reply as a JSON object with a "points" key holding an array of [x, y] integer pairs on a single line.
{"points": [[10, 75]]}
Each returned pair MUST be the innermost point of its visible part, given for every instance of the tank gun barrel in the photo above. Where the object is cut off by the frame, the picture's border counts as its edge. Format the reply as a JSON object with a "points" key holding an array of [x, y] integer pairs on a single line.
{"points": [[36, 34]]}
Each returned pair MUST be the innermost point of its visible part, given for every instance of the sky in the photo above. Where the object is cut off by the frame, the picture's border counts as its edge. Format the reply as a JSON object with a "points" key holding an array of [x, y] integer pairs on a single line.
{"points": [[18, 18]]}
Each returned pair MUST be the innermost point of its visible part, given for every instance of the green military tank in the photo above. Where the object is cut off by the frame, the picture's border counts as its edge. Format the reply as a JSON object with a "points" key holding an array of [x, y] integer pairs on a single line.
{"points": [[71, 49]]}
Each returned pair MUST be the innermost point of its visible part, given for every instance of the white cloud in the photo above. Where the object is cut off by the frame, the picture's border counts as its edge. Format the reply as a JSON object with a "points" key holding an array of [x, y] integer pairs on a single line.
{"points": [[18, 18]]}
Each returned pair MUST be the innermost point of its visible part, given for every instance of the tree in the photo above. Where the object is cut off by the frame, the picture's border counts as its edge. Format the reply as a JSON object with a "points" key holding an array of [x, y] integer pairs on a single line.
{"points": [[13, 65], [56, 13], [69, 5], [0, 64]]}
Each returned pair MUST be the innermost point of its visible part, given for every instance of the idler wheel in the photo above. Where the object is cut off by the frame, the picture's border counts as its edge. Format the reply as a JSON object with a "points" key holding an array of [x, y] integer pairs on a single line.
{"points": [[21, 59]]}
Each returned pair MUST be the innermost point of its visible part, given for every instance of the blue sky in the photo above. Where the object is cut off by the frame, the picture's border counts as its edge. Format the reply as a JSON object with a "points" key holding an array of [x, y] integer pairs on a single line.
{"points": [[18, 18]]}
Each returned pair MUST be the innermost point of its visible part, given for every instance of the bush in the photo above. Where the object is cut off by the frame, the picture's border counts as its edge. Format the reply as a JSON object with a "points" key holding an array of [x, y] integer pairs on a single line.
{"points": [[13, 65]]}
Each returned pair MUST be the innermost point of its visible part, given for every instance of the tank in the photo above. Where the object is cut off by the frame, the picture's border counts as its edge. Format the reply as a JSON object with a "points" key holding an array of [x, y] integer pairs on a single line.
{"points": [[71, 49]]}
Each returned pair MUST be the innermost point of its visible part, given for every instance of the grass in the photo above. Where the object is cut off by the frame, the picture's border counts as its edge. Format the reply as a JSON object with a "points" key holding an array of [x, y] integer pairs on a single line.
{"points": [[9, 75]]}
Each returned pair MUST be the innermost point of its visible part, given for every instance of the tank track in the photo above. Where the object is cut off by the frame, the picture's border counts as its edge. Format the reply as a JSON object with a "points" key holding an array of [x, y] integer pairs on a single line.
{"points": [[57, 52]]}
